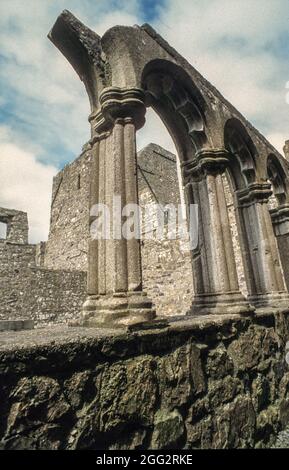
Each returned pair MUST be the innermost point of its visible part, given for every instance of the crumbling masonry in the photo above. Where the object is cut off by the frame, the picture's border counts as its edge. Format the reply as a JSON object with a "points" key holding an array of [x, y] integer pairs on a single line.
{"points": [[131, 373]]}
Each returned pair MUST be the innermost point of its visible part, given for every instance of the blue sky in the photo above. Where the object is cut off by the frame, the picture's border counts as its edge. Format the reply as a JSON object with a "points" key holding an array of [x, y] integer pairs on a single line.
{"points": [[242, 47]]}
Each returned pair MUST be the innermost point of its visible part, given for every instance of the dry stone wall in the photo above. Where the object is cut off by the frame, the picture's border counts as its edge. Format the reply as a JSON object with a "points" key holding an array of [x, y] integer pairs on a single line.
{"points": [[213, 382]]}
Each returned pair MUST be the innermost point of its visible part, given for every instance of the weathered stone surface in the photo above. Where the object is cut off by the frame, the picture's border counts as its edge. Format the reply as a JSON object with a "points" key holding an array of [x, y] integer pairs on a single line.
{"points": [[87, 389], [260, 392], [224, 390], [247, 351], [199, 410], [168, 430], [16, 225], [38, 409], [32, 292], [181, 376], [219, 364], [128, 393], [199, 435], [234, 424], [267, 426]]}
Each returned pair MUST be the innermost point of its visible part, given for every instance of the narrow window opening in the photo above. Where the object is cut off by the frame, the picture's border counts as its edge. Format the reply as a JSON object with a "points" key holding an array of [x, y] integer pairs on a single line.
{"points": [[78, 182]]}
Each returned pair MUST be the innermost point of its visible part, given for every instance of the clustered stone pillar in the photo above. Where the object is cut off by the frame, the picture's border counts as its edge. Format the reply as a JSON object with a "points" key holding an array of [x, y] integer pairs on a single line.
{"points": [[214, 269], [115, 295], [263, 274]]}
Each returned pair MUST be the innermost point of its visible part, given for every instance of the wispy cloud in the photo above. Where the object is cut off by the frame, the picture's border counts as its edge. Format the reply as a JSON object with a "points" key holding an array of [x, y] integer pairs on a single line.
{"points": [[25, 183], [240, 48]]}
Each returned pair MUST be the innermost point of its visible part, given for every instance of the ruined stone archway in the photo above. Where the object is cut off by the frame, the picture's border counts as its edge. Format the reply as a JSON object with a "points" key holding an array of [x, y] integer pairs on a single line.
{"points": [[261, 260], [125, 71]]}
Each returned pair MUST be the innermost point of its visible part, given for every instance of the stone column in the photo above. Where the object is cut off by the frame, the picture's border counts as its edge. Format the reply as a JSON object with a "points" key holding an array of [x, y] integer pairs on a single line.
{"points": [[280, 221], [214, 268], [115, 295], [264, 275], [92, 273]]}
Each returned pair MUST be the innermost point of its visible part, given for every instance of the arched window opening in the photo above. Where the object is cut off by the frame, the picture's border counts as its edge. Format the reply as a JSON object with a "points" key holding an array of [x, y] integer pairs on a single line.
{"points": [[166, 259], [264, 277], [277, 178], [229, 195], [279, 210], [242, 153]]}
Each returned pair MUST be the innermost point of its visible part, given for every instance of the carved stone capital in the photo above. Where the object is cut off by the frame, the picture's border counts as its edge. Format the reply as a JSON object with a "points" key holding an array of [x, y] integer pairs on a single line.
{"points": [[280, 219], [254, 193], [206, 161], [119, 103]]}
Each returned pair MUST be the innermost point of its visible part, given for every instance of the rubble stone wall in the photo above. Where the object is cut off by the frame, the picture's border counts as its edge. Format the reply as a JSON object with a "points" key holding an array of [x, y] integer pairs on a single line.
{"points": [[215, 382], [68, 236], [34, 293], [17, 225]]}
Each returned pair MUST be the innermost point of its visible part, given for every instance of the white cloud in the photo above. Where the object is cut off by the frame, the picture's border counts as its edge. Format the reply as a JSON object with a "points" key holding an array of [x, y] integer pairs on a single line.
{"points": [[233, 43], [25, 184], [49, 106], [154, 131]]}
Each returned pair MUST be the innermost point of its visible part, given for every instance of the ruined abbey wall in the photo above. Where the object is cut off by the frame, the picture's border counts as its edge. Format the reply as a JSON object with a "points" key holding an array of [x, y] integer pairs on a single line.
{"points": [[167, 273], [41, 281]]}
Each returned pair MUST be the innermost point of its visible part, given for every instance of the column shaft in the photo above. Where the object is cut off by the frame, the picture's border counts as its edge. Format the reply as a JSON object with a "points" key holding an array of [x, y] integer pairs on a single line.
{"points": [[120, 245], [219, 267], [199, 262], [101, 200], [227, 235], [92, 272], [131, 190]]}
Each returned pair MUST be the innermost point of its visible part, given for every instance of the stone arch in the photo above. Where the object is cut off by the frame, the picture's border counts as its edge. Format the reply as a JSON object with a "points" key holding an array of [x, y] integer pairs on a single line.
{"points": [[277, 176], [261, 261], [181, 106], [279, 211], [179, 103], [125, 71], [242, 152]]}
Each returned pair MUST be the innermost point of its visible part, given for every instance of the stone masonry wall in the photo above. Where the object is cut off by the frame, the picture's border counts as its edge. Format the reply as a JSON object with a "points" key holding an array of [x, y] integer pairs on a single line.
{"points": [[167, 273], [212, 382], [17, 225], [34, 293], [68, 236]]}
